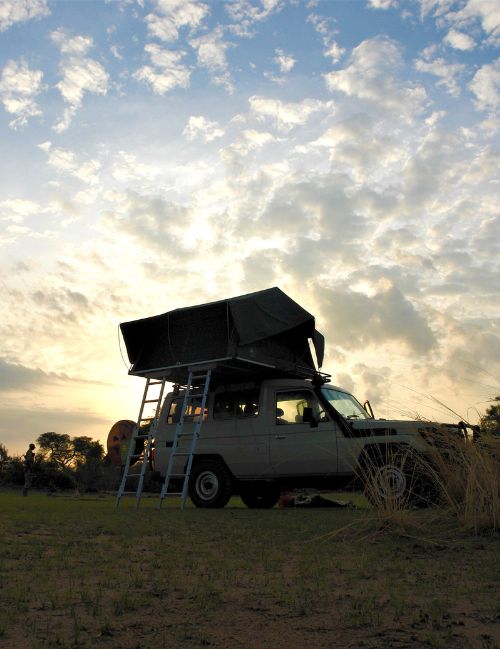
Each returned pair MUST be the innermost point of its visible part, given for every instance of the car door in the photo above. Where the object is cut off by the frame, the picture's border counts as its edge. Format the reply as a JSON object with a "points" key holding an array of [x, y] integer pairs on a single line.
{"points": [[296, 447], [237, 436]]}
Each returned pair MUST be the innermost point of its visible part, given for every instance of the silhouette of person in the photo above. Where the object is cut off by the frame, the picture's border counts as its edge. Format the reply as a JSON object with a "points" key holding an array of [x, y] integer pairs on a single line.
{"points": [[29, 461]]}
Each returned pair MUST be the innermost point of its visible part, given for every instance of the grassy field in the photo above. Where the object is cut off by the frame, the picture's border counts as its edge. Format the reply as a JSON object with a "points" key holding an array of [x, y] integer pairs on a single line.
{"points": [[74, 572]]}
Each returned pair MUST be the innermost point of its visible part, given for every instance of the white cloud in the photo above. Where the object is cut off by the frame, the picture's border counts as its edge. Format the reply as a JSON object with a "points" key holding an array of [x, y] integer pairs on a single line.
{"points": [[128, 169], [284, 61], [115, 51], [199, 127], [211, 55], [246, 14], [464, 16], [167, 71], [19, 87], [383, 4], [287, 115], [361, 144], [66, 161], [170, 15], [370, 75], [446, 72], [79, 45], [251, 140], [15, 210], [80, 74], [486, 86], [486, 11], [14, 11], [334, 52], [459, 40]]}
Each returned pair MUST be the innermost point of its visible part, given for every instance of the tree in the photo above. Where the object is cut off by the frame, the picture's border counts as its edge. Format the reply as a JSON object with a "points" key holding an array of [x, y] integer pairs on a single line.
{"points": [[65, 451], [490, 421], [56, 448], [87, 450], [4, 454]]}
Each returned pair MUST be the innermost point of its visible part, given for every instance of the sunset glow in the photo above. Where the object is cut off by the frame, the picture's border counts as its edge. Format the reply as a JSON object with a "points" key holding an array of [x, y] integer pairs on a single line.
{"points": [[162, 154]]}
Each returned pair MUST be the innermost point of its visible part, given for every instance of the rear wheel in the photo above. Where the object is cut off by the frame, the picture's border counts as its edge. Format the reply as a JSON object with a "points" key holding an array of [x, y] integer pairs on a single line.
{"points": [[210, 484], [261, 496]]}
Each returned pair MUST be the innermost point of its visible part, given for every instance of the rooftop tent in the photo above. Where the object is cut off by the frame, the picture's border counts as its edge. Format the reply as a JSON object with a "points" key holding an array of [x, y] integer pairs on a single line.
{"points": [[264, 333]]}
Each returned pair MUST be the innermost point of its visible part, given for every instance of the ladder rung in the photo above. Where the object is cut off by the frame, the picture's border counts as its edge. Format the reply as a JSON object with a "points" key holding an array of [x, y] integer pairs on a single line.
{"points": [[173, 493], [146, 419], [155, 382], [141, 436], [182, 453], [151, 400]]}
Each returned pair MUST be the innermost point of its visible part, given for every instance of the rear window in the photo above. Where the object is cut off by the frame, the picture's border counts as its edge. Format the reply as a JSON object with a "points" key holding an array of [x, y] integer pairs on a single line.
{"points": [[236, 405], [191, 414]]}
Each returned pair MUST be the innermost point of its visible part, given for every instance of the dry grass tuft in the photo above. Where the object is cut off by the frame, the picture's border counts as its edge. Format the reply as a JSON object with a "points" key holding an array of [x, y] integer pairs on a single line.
{"points": [[468, 477], [460, 478]]}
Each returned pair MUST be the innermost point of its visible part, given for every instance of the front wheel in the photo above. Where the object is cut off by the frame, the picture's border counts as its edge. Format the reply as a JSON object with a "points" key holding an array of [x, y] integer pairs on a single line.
{"points": [[263, 496], [210, 484], [398, 479]]}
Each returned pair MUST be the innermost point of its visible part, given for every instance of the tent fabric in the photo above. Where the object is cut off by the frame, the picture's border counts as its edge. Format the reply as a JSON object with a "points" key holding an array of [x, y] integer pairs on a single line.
{"points": [[266, 328]]}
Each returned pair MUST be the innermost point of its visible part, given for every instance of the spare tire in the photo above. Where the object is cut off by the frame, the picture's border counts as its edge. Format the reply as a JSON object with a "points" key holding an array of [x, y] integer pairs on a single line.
{"points": [[120, 431]]}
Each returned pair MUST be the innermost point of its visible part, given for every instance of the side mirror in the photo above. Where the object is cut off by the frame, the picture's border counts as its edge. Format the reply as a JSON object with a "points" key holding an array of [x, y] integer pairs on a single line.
{"points": [[309, 418], [368, 408]]}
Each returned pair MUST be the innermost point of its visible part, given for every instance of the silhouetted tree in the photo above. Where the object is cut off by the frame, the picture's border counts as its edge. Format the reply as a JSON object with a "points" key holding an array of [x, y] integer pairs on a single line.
{"points": [[56, 448], [87, 449], [490, 422], [4, 454]]}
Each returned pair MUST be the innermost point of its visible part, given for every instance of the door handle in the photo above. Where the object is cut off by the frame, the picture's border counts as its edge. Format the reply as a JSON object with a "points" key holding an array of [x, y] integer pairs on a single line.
{"points": [[280, 436]]}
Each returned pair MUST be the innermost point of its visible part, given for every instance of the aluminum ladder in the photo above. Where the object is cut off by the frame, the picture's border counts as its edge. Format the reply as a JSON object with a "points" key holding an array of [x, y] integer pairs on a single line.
{"points": [[194, 381], [140, 434]]}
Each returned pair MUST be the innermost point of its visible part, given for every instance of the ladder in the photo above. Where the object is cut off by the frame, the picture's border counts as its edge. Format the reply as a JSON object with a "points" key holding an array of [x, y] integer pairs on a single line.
{"points": [[139, 433], [194, 382]]}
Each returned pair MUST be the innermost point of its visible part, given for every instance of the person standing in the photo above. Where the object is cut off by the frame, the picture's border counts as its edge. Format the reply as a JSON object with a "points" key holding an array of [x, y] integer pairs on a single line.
{"points": [[29, 461]]}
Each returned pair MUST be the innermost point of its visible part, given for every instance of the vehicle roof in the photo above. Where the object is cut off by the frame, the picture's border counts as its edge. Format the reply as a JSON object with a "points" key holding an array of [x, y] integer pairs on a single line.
{"points": [[271, 383]]}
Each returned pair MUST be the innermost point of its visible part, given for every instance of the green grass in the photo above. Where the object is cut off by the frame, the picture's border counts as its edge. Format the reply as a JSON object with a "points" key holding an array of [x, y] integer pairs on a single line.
{"points": [[75, 572]]}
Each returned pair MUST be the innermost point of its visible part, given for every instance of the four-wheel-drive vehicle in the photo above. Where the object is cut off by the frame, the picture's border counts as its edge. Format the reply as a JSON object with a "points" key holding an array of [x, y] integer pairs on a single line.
{"points": [[257, 439], [271, 421]]}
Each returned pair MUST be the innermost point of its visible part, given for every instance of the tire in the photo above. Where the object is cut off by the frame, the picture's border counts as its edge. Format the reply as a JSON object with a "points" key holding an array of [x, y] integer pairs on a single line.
{"points": [[210, 484], [262, 496], [397, 480]]}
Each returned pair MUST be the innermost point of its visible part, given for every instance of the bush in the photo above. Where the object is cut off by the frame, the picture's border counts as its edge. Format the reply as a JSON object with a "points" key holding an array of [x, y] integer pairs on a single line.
{"points": [[12, 472]]}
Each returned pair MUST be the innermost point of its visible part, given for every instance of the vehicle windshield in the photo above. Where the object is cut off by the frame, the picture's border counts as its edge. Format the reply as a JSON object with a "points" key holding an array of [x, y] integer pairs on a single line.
{"points": [[344, 403]]}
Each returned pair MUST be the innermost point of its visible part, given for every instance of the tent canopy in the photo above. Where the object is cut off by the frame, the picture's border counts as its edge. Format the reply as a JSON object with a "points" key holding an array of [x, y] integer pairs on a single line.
{"points": [[264, 333]]}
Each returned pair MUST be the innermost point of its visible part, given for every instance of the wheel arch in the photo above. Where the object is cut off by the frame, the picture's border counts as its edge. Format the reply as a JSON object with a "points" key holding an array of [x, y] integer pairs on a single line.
{"points": [[201, 457], [373, 453]]}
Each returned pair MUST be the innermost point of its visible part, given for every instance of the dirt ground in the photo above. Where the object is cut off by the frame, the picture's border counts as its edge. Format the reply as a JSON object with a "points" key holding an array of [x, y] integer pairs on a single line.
{"points": [[76, 573]]}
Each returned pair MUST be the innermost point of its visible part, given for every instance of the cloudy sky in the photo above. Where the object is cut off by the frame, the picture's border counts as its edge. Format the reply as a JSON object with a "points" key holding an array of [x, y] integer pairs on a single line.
{"points": [[162, 154]]}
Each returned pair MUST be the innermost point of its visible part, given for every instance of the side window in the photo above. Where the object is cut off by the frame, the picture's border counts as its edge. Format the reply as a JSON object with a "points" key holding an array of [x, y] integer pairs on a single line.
{"points": [[224, 406], [247, 405], [290, 406], [192, 413], [240, 405]]}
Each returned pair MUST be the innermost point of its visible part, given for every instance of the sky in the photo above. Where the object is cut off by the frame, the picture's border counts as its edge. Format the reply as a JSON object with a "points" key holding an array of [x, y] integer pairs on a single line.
{"points": [[156, 155]]}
